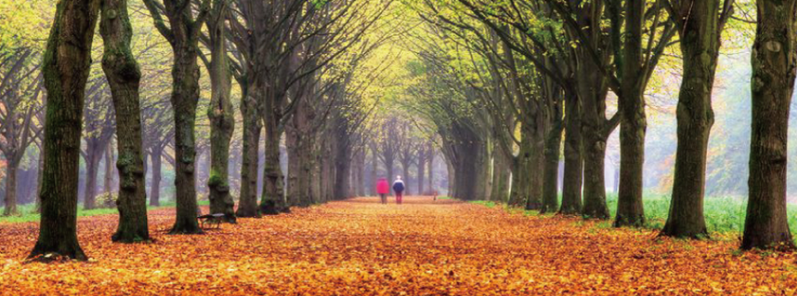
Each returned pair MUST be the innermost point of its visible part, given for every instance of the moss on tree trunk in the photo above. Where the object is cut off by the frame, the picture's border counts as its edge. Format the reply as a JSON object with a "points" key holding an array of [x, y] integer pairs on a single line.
{"points": [[65, 68], [220, 114], [123, 75]]}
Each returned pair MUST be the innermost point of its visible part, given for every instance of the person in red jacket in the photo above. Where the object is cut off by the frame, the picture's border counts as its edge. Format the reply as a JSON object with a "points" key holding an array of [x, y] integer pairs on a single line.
{"points": [[382, 188]]}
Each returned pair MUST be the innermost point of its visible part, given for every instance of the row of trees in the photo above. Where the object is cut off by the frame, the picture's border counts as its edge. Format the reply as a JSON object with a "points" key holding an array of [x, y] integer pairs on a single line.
{"points": [[293, 62], [523, 72]]}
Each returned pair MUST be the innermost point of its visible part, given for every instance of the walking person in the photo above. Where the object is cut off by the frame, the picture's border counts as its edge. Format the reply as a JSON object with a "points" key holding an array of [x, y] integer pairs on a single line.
{"points": [[398, 187], [382, 188]]}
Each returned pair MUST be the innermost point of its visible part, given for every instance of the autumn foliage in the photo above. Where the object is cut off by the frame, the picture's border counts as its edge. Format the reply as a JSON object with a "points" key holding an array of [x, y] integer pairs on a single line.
{"points": [[360, 247]]}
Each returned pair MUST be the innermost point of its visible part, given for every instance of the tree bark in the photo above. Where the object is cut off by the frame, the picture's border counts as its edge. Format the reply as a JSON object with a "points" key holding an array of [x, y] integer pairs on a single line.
{"points": [[501, 175], [422, 158], [430, 179], [66, 68], [593, 131], [633, 123], [700, 42], [155, 186], [220, 114], [342, 156], [536, 164], [108, 177], [247, 206], [93, 157], [405, 171], [773, 62], [39, 176], [359, 183], [550, 194], [123, 76], [574, 160], [520, 164], [273, 201], [184, 99], [374, 168], [11, 188]]}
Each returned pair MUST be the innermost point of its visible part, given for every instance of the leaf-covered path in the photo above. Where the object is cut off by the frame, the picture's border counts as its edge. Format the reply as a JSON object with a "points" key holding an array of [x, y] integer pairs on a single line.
{"points": [[360, 247]]}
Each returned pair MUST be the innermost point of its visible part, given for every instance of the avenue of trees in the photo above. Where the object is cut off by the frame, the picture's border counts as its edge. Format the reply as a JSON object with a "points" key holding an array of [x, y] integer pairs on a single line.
{"points": [[532, 78], [259, 106]]}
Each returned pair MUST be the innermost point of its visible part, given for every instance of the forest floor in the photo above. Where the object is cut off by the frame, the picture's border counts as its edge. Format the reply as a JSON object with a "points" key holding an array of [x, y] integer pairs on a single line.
{"points": [[361, 247]]}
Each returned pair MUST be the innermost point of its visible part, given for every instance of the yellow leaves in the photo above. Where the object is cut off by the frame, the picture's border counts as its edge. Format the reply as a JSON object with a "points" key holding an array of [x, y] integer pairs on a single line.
{"points": [[361, 247]]}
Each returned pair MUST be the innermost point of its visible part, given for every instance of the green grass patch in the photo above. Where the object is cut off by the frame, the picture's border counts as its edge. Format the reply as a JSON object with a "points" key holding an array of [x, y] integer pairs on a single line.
{"points": [[489, 204], [724, 215], [27, 213]]}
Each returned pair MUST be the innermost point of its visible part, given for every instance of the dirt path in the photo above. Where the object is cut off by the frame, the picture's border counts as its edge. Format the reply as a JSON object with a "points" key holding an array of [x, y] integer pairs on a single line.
{"points": [[360, 247]]}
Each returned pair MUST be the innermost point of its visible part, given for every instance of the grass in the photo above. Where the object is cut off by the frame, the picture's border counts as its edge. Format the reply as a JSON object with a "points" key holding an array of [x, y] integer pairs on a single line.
{"points": [[27, 212], [724, 215]]}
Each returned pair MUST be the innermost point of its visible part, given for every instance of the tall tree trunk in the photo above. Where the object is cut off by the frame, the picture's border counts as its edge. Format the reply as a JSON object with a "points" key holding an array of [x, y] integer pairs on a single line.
{"points": [[594, 165], [550, 194], [520, 191], [184, 99], [273, 201], [774, 60], [405, 171], [11, 186], [430, 179], [305, 181], [93, 157], [374, 168], [108, 177], [360, 173], [592, 96], [501, 173], [155, 187], [220, 114], [342, 151], [536, 165], [389, 167], [66, 68], [39, 174], [452, 178], [247, 206], [294, 165], [574, 161], [633, 123], [700, 42], [422, 158], [123, 75]]}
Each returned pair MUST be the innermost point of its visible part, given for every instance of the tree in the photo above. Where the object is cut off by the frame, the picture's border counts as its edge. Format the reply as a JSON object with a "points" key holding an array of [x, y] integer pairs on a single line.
{"points": [[158, 134], [20, 89], [220, 113], [183, 35], [97, 134], [774, 62], [634, 69], [699, 24], [124, 76], [66, 70]]}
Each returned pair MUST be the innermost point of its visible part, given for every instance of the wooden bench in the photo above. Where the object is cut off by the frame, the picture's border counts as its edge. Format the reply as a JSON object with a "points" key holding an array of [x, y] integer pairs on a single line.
{"points": [[211, 219]]}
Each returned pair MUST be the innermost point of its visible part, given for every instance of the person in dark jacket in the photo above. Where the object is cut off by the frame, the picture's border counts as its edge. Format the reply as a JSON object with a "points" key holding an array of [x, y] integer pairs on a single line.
{"points": [[398, 187], [382, 188]]}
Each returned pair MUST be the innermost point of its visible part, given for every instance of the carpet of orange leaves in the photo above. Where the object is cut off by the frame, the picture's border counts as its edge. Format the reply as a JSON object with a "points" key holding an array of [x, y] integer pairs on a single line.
{"points": [[360, 247]]}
